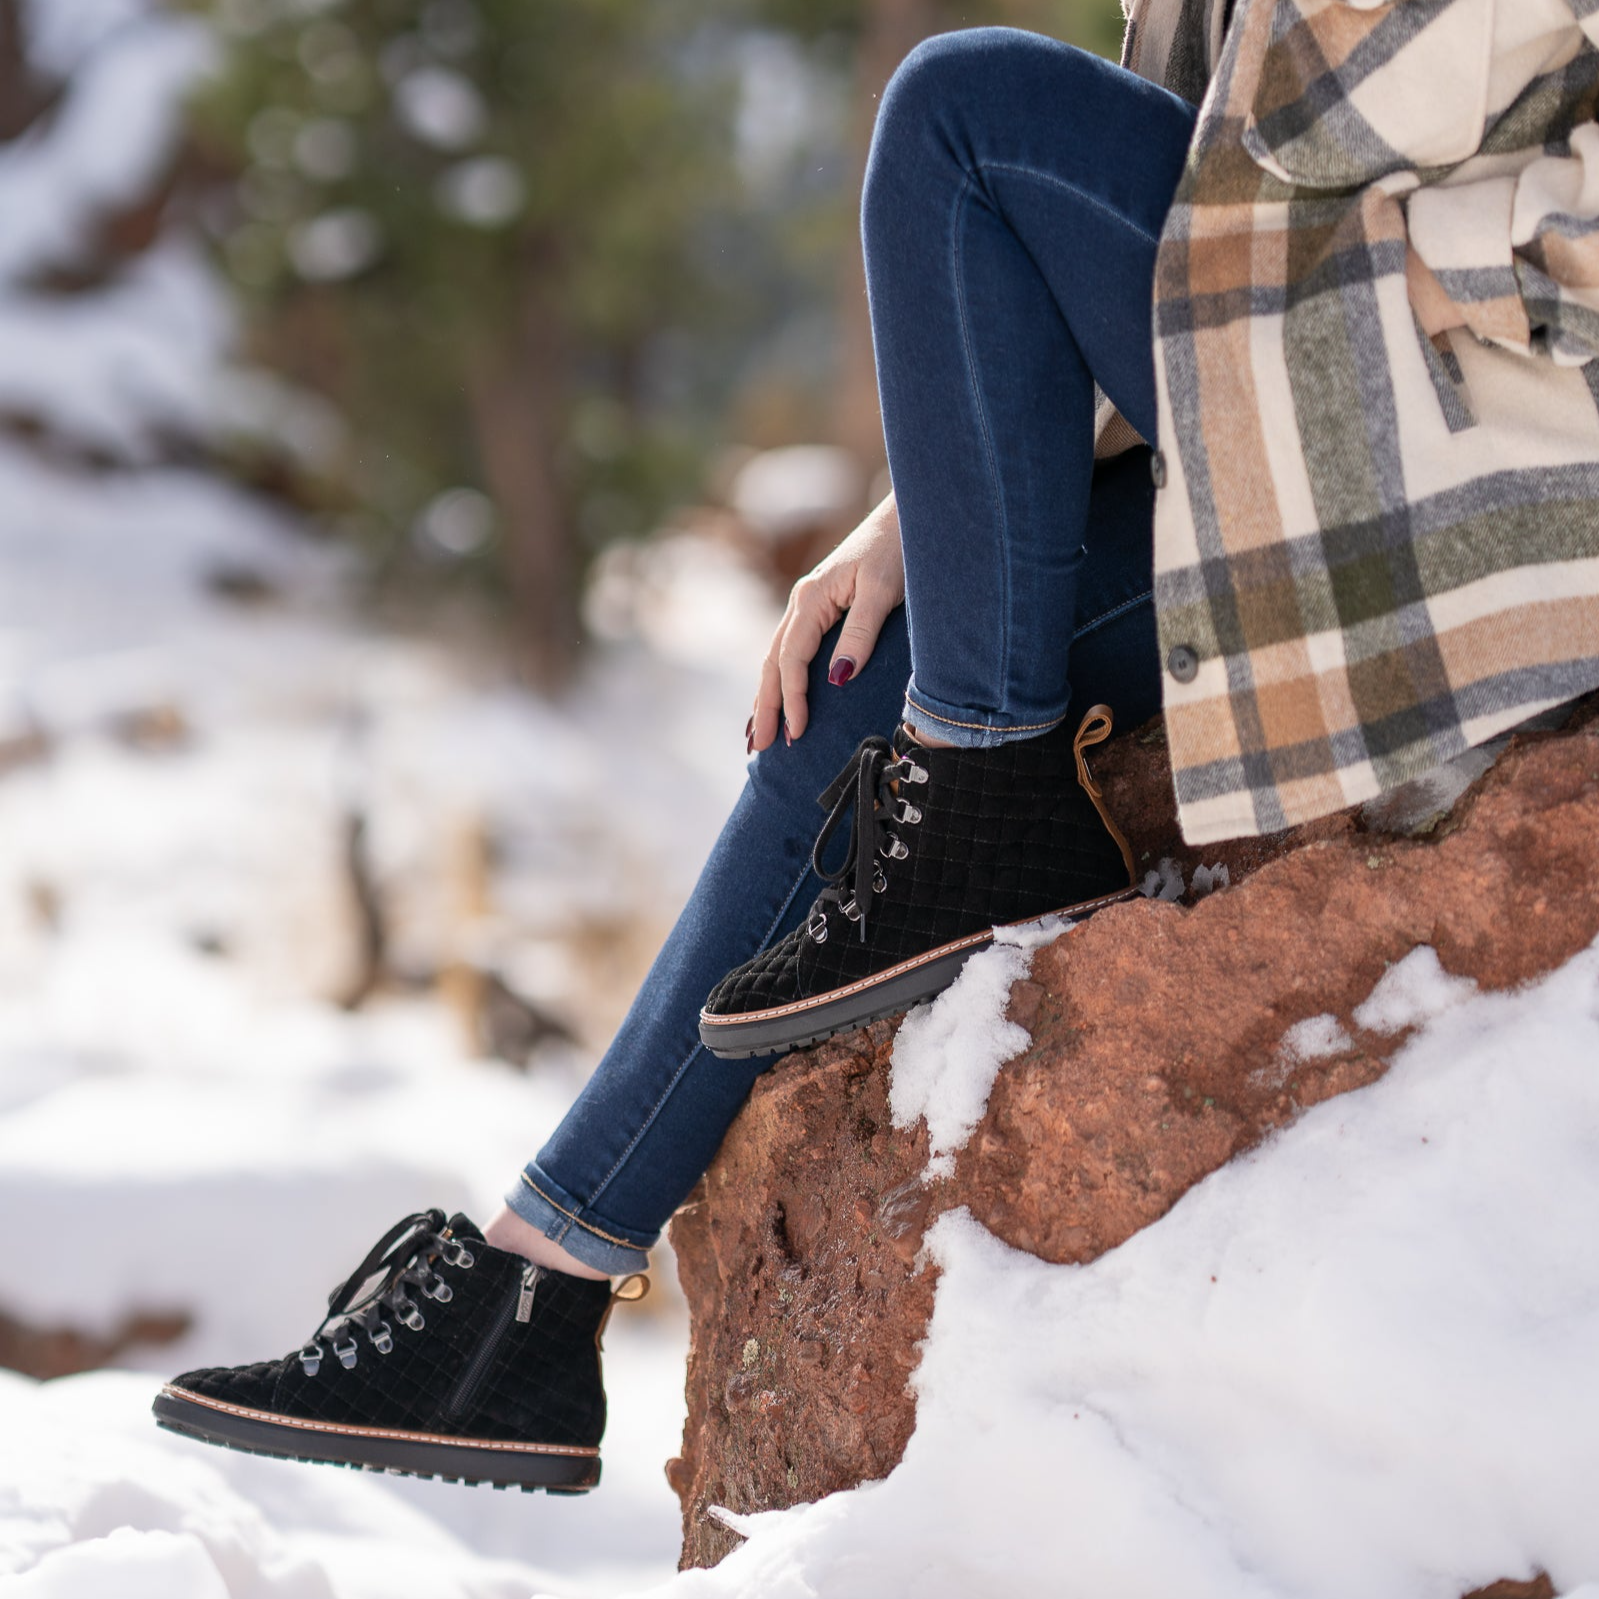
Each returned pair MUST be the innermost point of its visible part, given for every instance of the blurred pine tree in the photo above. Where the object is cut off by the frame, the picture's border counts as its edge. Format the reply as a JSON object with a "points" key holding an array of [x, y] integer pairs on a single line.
{"points": [[511, 241]]}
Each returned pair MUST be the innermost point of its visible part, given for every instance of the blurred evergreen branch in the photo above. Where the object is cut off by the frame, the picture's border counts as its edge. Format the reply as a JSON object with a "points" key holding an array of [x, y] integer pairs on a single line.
{"points": [[511, 242]]}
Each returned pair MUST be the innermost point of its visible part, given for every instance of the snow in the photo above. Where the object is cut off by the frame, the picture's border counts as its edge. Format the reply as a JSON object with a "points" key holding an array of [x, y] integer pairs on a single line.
{"points": [[110, 1504], [1315, 1038], [1355, 1361], [1412, 991], [108, 139], [187, 1115], [947, 1054], [190, 1123]]}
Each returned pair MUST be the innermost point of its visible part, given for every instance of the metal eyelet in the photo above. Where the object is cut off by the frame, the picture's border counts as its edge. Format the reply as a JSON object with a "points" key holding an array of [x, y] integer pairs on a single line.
{"points": [[311, 1359], [894, 850], [382, 1338], [916, 774], [851, 910], [879, 881], [346, 1354], [457, 1254], [817, 927], [908, 813], [438, 1289], [410, 1316]]}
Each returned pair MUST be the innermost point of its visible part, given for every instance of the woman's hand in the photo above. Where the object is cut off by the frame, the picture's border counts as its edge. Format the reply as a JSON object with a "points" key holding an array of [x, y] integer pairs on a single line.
{"points": [[865, 578]]}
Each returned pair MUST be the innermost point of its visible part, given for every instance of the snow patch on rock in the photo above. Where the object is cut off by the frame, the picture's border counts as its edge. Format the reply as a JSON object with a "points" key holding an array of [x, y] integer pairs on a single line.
{"points": [[1411, 993], [947, 1054]]}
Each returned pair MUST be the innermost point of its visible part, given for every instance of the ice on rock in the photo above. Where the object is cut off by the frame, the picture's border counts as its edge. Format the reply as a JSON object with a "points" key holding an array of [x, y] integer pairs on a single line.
{"points": [[1165, 881]]}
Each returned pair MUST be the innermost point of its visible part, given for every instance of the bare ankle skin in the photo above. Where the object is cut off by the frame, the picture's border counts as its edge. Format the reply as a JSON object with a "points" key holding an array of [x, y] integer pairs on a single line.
{"points": [[927, 741], [506, 1230]]}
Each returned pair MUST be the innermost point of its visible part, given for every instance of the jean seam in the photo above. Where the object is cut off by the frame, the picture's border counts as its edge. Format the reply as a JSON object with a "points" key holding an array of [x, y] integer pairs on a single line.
{"points": [[1113, 613], [688, 1060], [996, 493], [986, 727], [577, 1221]]}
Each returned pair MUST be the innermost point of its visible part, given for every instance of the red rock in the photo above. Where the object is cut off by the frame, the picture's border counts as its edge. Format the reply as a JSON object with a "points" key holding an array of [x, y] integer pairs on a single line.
{"points": [[1154, 1060]]}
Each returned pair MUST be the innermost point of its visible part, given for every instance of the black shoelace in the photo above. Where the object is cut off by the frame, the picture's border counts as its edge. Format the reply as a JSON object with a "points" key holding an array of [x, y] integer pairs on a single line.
{"points": [[866, 788], [400, 1260]]}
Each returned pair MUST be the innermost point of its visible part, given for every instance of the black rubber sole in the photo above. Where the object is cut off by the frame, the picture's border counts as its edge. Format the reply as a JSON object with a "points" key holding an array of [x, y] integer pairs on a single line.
{"points": [[842, 1010], [548, 1467]]}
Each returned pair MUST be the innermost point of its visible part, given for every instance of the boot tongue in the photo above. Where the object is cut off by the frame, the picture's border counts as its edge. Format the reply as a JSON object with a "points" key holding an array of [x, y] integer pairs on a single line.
{"points": [[460, 1226]]}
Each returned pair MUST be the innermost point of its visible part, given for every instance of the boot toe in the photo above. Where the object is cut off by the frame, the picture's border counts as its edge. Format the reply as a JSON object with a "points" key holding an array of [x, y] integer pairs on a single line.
{"points": [[252, 1386], [771, 978]]}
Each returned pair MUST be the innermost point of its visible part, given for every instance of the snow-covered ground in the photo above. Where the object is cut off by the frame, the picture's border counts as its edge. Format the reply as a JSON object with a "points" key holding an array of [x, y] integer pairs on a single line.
{"points": [[185, 1114]]}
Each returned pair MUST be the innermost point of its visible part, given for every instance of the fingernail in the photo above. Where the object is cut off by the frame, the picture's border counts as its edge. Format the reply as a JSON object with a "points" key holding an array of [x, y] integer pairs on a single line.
{"points": [[788, 737], [842, 670], [749, 728], [749, 744]]}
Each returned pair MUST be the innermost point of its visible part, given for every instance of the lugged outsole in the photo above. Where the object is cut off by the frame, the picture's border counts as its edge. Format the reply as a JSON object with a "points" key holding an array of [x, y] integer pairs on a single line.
{"points": [[821, 1018], [191, 1420]]}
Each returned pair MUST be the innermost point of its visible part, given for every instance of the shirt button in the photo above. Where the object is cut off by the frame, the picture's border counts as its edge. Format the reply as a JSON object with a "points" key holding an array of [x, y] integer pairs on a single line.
{"points": [[1157, 469], [1183, 663]]}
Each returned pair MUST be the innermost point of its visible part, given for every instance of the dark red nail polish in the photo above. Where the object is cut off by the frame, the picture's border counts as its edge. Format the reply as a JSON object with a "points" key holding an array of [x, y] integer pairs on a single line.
{"points": [[749, 745], [749, 728], [842, 670]]}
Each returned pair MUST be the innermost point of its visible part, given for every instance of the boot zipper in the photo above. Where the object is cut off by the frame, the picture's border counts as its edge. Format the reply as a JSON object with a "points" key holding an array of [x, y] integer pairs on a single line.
{"points": [[521, 1304]]}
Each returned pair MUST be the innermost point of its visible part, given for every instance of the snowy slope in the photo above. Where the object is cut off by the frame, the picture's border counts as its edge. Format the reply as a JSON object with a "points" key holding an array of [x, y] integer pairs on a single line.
{"points": [[1356, 1362]]}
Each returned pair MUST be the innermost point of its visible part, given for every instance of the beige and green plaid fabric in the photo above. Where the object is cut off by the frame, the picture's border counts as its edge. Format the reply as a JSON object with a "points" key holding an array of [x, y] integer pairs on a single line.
{"points": [[1380, 548]]}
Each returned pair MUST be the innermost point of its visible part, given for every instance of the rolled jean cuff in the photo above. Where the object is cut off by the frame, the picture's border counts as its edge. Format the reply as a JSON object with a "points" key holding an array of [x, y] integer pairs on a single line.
{"points": [[968, 729], [597, 1243]]}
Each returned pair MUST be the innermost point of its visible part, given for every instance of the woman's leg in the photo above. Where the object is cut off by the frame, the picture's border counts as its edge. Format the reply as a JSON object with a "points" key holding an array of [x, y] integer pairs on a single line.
{"points": [[1013, 202], [443, 1356], [653, 1114], [1014, 198]]}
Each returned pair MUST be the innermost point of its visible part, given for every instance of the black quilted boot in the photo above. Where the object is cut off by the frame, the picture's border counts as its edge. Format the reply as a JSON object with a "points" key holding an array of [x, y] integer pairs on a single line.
{"points": [[440, 1356], [945, 844]]}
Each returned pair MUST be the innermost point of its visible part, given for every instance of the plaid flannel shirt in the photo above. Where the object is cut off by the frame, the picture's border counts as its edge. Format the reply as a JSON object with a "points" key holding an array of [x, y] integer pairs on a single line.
{"points": [[1374, 548]]}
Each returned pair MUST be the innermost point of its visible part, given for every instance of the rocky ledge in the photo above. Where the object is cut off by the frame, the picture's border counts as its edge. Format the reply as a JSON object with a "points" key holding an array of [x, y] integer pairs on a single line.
{"points": [[1155, 1056]]}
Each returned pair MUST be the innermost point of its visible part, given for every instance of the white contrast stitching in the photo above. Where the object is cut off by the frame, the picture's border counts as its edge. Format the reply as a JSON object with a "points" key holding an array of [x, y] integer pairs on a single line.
{"points": [[378, 1432]]}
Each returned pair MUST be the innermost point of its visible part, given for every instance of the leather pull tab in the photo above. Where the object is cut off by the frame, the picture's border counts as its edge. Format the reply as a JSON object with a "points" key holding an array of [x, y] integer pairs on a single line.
{"points": [[1095, 729], [621, 1294]]}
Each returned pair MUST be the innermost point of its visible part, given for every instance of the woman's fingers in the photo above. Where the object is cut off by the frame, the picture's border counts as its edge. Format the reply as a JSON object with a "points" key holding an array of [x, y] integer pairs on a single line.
{"points": [[768, 698], [801, 639], [858, 636]]}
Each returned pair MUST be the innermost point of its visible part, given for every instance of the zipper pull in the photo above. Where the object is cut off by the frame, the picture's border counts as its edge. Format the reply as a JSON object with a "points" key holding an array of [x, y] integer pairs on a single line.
{"points": [[524, 1300]]}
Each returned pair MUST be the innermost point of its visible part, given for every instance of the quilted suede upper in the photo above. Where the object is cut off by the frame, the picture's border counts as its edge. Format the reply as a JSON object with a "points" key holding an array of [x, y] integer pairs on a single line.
{"points": [[540, 1381], [1006, 834]]}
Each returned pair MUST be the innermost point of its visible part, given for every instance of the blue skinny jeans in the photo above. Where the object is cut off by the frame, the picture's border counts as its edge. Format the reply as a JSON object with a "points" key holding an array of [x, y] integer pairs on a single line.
{"points": [[1014, 196]]}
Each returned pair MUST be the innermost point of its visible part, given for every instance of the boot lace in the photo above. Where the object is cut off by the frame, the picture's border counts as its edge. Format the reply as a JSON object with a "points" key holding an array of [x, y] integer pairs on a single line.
{"points": [[866, 790], [402, 1259]]}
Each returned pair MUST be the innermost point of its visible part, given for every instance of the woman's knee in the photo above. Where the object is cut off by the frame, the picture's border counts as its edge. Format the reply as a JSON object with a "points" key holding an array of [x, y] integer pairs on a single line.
{"points": [[946, 92], [950, 71]]}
